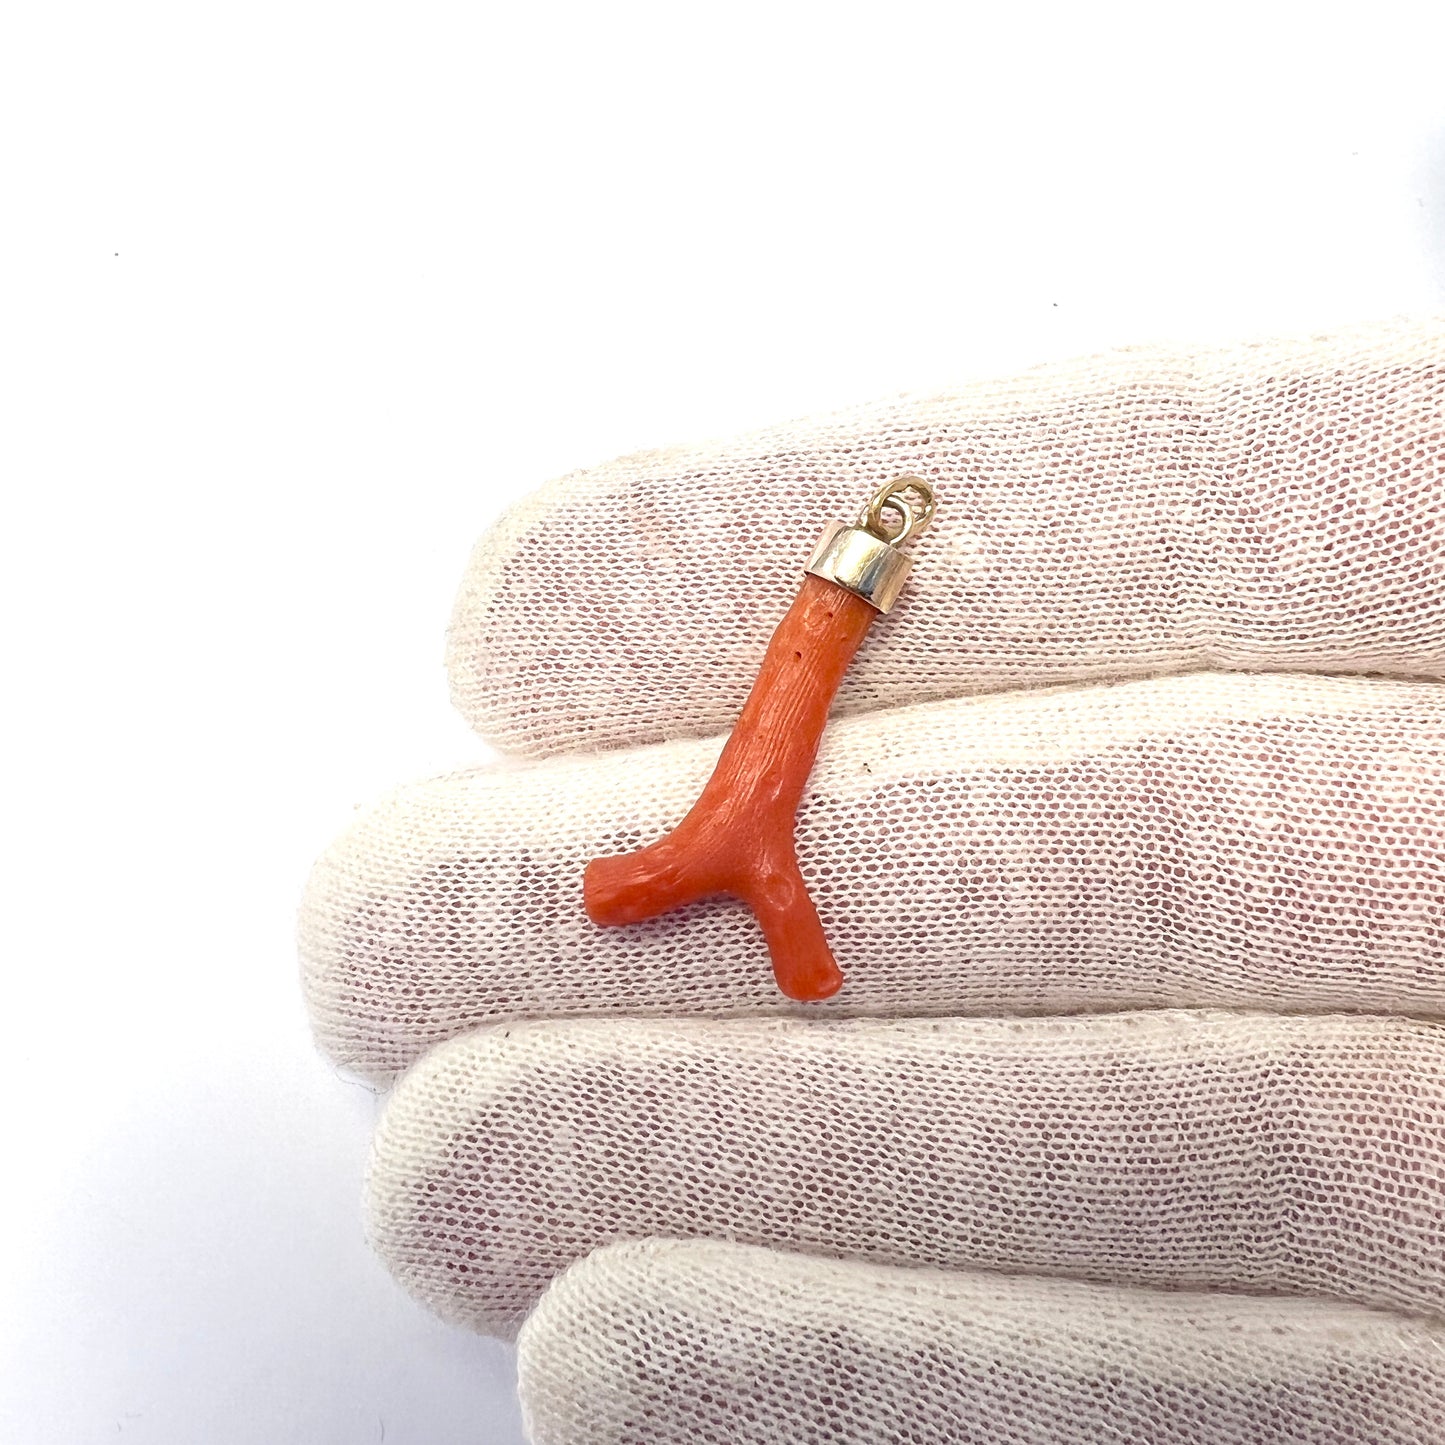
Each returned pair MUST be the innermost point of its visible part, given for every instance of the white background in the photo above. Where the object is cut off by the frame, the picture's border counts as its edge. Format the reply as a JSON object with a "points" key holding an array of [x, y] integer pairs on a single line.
{"points": [[293, 298]]}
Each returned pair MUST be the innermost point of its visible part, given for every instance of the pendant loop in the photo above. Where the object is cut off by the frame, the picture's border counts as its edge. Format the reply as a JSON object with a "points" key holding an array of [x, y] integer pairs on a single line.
{"points": [[894, 497]]}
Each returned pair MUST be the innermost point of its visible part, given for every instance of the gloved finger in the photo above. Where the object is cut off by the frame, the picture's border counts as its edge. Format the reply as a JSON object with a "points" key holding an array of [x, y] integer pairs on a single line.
{"points": [[1236, 1152], [706, 1343], [1208, 840], [1265, 507]]}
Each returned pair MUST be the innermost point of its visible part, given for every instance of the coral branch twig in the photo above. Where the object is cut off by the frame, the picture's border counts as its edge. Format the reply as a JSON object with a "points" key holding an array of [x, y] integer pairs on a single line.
{"points": [[738, 837]]}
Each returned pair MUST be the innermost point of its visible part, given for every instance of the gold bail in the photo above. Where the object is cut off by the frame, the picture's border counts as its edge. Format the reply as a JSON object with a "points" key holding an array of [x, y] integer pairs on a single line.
{"points": [[864, 558], [893, 496]]}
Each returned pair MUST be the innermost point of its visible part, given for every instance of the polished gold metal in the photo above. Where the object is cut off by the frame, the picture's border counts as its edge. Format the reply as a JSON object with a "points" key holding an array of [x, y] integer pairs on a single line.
{"points": [[894, 496], [864, 558]]}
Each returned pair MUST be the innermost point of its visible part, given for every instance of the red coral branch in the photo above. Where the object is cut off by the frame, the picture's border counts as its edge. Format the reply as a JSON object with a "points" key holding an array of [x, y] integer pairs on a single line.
{"points": [[738, 837]]}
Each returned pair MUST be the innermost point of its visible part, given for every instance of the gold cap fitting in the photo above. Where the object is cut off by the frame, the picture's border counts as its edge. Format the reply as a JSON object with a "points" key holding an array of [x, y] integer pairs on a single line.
{"points": [[864, 564], [864, 557]]}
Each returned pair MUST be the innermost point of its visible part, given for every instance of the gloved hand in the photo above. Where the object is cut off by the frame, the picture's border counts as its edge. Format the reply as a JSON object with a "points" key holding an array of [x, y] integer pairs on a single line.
{"points": [[1129, 1121]]}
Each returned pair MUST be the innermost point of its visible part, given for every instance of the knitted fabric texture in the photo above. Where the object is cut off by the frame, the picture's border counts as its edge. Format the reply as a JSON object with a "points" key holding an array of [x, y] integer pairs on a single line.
{"points": [[1207, 840], [1235, 1152], [1262, 507], [1128, 1123], [714, 1344]]}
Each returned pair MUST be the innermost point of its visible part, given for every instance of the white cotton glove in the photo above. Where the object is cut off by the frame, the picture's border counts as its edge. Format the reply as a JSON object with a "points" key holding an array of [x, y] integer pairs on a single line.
{"points": [[1206, 1206]]}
